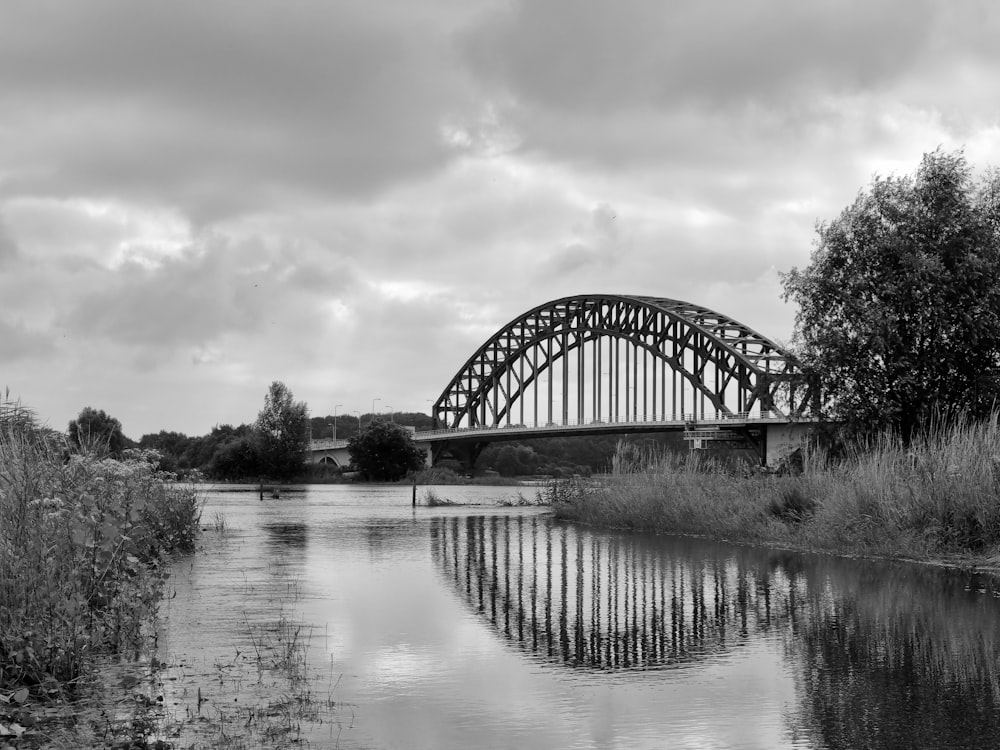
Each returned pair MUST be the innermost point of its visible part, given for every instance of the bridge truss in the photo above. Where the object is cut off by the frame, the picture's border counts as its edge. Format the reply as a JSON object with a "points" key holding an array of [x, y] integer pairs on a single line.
{"points": [[620, 359]]}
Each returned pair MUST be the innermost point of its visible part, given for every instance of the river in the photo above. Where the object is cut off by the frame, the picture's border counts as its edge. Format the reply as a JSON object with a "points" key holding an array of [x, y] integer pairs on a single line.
{"points": [[339, 616]]}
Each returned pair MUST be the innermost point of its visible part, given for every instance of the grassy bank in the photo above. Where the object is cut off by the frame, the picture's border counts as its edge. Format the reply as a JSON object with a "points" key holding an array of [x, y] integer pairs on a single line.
{"points": [[938, 497], [81, 545]]}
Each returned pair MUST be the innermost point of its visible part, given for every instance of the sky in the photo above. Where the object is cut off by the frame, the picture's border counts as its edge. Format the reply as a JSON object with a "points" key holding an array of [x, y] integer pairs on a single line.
{"points": [[200, 198]]}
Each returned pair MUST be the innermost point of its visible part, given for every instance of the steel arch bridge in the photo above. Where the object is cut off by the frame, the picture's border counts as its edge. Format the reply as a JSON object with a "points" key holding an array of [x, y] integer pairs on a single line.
{"points": [[623, 359]]}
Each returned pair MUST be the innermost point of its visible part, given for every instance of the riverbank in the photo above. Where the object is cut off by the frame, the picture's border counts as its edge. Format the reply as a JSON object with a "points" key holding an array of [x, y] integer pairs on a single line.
{"points": [[82, 570], [325, 474], [934, 500]]}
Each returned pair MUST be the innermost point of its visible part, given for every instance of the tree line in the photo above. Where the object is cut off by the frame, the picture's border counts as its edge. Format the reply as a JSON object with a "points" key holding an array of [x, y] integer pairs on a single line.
{"points": [[274, 445]]}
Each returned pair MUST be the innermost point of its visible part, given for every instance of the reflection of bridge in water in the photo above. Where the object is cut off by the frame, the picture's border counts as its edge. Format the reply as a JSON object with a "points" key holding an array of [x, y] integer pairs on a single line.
{"points": [[602, 601], [881, 654]]}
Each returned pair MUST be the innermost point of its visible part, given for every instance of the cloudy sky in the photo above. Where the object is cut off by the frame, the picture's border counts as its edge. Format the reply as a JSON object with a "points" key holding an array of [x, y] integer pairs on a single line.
{"points": [[199, 198]]}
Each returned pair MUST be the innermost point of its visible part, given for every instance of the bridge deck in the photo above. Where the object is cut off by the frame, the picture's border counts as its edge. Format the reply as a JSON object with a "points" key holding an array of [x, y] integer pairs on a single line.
{"points": [[698, 427]]}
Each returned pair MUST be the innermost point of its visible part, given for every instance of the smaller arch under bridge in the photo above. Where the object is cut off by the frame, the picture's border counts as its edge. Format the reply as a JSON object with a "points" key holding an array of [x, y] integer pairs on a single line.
{"points": [[613, 362]]}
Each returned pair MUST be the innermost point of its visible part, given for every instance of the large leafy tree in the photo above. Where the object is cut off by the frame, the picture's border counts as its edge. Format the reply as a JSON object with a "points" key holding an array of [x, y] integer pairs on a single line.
{"points": [[385, 451], [236, 459], [95, 429], [281, 433], [899, 308]]}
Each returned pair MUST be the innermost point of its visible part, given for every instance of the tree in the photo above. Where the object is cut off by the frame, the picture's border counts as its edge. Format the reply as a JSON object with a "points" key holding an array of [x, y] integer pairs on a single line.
{"points": [[236, 459], [899, 308], [385, 451], [281, 433], [200, 452], [94, 428]]}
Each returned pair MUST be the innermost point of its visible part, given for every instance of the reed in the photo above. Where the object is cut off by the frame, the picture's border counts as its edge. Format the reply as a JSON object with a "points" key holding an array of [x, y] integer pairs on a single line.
{"points": [[433, 500], [936, 496], [81, 541]]}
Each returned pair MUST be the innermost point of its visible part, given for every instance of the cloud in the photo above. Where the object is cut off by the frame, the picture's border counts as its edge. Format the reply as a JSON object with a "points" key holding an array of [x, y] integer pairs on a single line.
{"points": [[225, 107], [81, 231], [706, 85], [8, 248], [594, 56], [213, 291], [21, 342], [596, 244]]}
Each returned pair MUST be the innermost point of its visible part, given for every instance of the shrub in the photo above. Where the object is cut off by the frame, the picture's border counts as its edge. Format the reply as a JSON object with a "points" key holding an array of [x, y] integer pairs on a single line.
{"points": [[385, 451], [440, 475], [791, 504], [433, 500], [81, 540]]}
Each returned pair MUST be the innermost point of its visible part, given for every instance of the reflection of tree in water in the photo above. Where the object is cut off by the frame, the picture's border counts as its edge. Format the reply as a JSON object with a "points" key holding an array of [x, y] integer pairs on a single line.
{"points": [[884, 656], [604, 601], [286, 547], [390, 538], [287, 534], [898, 657]]}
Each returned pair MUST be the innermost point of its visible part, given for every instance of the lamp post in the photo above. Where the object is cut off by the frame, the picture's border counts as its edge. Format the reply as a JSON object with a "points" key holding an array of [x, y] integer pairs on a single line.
{"points": [[359, 420], [335, 420], [388, 410], [379, 398]]}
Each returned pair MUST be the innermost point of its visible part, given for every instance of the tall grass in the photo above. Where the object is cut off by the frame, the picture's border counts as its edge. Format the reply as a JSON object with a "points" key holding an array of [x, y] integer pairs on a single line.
{"points": [[937, 496], [81, 541]]}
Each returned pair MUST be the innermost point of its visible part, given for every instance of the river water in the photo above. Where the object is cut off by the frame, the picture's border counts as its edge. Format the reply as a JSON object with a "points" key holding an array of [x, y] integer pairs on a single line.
{"points": [[339, 616]]}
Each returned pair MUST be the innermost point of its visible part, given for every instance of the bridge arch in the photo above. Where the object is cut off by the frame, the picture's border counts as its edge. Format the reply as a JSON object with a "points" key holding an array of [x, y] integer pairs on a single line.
{"points": [[622, 358]]}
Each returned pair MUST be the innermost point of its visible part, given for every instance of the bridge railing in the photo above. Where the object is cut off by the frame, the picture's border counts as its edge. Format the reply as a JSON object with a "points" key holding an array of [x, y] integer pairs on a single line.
{"points": [[689, 421]]}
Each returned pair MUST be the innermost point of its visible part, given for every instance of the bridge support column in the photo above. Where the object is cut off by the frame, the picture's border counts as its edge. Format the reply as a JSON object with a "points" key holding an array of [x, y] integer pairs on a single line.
{"points": [[781, 440], [337, 456], [464, 451]]}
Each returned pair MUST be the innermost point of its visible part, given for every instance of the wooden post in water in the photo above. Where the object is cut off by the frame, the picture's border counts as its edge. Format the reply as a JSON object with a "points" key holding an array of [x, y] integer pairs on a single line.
{"points": [[414, 492]]}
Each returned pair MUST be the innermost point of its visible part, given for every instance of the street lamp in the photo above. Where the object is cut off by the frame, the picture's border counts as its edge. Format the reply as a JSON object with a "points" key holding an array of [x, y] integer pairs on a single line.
{"points": [[335, 420], [359, 420], [390, 412], [379, 398]]}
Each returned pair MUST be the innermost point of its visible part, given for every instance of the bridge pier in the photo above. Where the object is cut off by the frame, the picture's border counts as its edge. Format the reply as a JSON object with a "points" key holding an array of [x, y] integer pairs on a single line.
{"points": [[465, 452], [782, 440], [773, 443]]}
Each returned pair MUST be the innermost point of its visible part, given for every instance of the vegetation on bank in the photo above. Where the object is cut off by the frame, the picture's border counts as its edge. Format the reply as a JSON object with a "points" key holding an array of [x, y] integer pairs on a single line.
{"points": [[226, 452], [932, 497], [566, 456], [899, 308], [385, 452], [82, 537], [274, 446]]}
